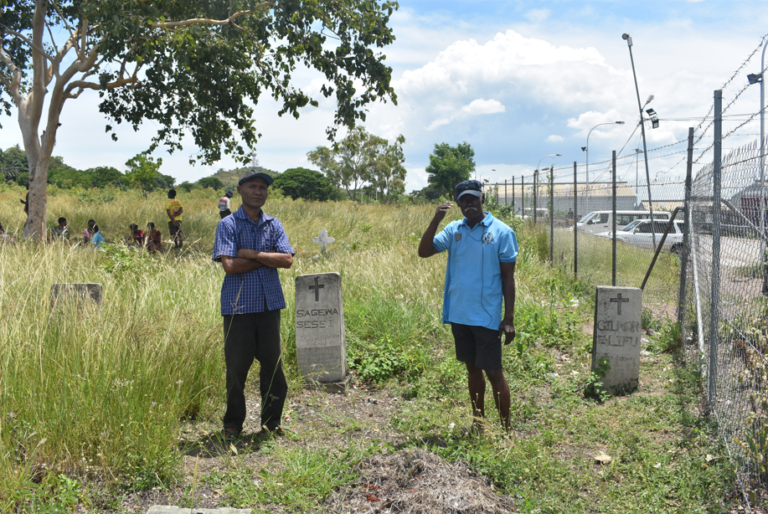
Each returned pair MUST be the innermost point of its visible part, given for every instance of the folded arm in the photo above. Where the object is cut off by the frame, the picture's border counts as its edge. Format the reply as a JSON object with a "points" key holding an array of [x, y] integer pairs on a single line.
{"points": [[269, 259]]}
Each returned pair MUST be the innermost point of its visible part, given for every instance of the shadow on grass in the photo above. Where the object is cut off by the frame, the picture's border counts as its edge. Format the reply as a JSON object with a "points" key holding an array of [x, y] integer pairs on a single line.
{"points": [[213, 445]]}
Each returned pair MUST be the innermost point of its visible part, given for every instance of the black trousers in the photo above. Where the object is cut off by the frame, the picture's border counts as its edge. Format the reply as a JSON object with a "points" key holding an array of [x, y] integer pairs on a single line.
{"points": [[224, 214], [248, 337]]}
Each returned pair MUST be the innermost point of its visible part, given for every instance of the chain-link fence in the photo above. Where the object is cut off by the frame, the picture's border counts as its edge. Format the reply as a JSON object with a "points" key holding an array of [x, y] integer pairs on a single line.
{"points": [[727, 308]]}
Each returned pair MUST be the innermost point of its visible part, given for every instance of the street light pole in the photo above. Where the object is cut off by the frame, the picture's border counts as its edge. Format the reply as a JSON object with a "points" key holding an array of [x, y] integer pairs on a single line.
{"points": [[642, 126], [536, 182], [586, 149]]}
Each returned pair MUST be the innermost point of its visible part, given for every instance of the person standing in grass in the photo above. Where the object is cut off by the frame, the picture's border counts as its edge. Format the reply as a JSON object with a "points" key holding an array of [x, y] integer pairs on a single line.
{"points": [[252, 245], [479, 279], [174, 210], [225, 205]]}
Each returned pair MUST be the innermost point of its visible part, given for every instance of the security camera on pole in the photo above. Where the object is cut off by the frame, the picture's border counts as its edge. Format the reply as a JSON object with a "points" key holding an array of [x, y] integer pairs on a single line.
{"points": [[655, 123]]}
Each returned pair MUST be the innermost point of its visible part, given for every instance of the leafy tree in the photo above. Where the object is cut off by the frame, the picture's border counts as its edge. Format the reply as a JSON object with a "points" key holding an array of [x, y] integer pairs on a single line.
{"points": [[431, 192], [164, 181], [211, 182], [188, 186], [143, 171], [304, 183], [386, 171], [192, 66], [450, 165], [362, 158], [13, 162], [103, 176]]}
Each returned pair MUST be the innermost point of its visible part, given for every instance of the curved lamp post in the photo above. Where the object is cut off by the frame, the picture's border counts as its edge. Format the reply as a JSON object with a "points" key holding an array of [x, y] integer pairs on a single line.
{"points": [[586, 149], [628, 39]]}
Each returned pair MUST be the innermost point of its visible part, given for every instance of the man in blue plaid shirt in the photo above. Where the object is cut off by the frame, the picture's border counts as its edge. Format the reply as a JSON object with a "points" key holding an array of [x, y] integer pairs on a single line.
{"points": [[251, 245]]}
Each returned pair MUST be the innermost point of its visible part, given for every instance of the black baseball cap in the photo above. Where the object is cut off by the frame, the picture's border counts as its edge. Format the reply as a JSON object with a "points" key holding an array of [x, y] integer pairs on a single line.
{"points": [[229, 193], [470, 187], [254, 173]]}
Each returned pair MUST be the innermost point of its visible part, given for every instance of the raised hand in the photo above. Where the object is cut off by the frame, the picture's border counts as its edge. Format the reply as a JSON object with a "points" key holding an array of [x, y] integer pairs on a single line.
{"points": [[442, 210]]}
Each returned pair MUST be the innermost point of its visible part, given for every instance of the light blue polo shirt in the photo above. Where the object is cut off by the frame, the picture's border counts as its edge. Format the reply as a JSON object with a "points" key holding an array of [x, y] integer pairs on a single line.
{"points": [[473, 294]]}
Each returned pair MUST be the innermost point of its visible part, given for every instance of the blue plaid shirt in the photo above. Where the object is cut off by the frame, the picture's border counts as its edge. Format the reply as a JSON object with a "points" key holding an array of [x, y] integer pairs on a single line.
{"points": [[258, 290]]}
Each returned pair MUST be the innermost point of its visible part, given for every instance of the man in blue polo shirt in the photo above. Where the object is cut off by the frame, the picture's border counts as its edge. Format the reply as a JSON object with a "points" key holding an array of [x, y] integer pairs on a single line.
{"points": [[479, 279], [251, 245]]}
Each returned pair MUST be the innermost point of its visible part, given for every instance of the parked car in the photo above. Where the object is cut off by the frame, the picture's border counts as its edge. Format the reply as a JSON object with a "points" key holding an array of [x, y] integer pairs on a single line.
{"points": [[638, 233], [600, 221]]}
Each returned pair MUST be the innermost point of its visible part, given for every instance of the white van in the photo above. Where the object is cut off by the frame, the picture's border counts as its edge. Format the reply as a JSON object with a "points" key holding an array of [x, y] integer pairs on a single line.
{"points": [[602, 221]]}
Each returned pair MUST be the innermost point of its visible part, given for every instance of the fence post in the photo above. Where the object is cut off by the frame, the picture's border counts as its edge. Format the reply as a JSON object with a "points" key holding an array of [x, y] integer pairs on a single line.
{"points": [[535, 196], [613, 230], [575, 219], [552, 216], [714, 301], [506, 198], [513, 194], [686, 238], [497, 193], [522, 186]]}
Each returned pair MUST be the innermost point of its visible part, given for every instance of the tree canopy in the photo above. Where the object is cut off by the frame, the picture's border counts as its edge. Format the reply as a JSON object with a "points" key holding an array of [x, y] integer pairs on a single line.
{"points": [[195, 67], [449, 165], [363, 158], [307, 184]]}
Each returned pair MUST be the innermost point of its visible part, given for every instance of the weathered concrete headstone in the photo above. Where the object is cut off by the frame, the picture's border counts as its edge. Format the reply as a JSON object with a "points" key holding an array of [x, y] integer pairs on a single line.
{"points": [[321, 347], [168, 509], [77, 292], [617, 337], [323, 239]]}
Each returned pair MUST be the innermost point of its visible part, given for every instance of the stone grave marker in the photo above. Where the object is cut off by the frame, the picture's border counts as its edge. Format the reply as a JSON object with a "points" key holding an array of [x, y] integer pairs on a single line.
{"points": [[76, 291], [321, 347], [323, 239], [617, 337]]}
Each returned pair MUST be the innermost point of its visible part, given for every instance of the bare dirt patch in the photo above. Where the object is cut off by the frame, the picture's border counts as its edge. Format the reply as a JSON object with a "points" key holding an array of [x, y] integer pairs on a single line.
{"points": [[416, 481]]}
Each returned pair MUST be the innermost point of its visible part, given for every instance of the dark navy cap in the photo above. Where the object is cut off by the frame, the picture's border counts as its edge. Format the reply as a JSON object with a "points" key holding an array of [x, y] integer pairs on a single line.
{"points": [[470, 187], [229, 193], [254, 173]]}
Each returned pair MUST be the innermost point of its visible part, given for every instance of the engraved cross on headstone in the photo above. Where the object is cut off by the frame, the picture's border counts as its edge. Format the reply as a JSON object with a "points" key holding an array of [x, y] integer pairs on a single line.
{"points": [[619, 300], [317, 287], [323, 239]]}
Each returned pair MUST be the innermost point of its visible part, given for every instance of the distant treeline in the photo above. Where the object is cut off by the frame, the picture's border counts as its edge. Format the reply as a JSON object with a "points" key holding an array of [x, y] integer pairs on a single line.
{"points": [[15, 168]]}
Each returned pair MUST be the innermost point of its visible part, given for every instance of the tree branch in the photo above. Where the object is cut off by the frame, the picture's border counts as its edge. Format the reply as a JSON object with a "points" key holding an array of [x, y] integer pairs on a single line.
{"points": [[63, 19], [208, 21], [15, 83], [30, 43]]}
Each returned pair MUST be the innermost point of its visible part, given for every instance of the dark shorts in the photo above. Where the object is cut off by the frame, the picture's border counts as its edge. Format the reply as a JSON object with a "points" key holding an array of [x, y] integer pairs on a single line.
{"points": [[173, 228], [478, 345], [224, 214]]}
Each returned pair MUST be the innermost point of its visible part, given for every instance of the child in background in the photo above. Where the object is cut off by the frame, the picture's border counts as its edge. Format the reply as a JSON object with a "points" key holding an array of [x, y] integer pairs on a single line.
{"points": [[137, 236], [60, 231], [154, 240], [96, 237], [88, 232]]}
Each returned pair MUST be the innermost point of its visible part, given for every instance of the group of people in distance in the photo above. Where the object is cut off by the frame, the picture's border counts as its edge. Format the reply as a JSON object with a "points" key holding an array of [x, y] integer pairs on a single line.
{"points": [[151, 239]]}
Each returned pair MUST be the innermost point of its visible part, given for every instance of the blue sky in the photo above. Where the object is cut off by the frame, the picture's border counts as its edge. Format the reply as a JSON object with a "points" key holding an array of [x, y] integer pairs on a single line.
{"points": [[516, 79]]}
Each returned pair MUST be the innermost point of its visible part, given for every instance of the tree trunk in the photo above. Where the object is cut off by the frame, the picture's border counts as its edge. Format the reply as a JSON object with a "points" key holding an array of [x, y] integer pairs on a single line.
{"points": [[38, 202]]}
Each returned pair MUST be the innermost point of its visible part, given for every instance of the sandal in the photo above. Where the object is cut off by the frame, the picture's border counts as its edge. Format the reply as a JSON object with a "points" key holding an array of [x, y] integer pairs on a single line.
{"points": [[230, 435]]}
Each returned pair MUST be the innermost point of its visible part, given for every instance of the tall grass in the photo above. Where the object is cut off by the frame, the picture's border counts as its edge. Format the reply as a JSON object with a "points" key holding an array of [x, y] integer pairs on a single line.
{"points": [[102, 392]]}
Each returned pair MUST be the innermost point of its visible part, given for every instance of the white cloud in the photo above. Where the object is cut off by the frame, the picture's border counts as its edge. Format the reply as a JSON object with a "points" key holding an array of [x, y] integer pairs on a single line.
{"points": [[554, 138], [481, 106], [474, 108]]}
